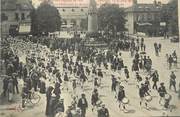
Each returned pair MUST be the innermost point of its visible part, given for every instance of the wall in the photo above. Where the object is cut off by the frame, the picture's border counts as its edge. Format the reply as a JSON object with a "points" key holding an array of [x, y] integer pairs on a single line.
{"points": [[5, 25]]}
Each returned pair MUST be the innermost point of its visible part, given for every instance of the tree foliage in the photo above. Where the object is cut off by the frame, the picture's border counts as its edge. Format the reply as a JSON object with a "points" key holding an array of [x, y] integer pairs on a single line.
{"points": [[170, 16], [111, 18], [45, 19]]}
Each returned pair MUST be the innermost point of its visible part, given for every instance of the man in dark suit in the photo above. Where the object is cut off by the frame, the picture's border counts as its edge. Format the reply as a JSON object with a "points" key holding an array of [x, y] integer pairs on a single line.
{"points": [[103, 112], [83, 105]]}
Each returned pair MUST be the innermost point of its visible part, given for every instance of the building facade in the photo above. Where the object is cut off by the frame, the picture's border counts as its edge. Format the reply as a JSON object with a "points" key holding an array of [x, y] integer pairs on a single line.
{"points": [[144, 18], [15, 16], [72, 17], [74, 12]]}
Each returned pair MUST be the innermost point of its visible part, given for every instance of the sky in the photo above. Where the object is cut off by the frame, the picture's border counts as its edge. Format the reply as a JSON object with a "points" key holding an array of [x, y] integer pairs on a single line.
{"points": [[85, 2]]}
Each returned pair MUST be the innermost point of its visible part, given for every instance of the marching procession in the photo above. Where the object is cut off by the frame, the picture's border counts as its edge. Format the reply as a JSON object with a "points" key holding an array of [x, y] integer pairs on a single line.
{"points": [[87, 75]]}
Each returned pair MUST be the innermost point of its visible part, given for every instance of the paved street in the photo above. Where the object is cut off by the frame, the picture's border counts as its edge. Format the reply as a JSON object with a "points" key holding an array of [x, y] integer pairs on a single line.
{"points": [[107, 96]]}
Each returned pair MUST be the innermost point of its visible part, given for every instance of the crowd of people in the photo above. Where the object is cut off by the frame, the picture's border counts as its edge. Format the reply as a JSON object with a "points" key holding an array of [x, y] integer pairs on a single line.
{"points": [[69, 69]]}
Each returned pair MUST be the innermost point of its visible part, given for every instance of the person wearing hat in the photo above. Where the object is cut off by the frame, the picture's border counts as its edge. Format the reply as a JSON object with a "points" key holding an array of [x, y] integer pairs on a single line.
{"points": [[57, 90], [83, 105], [5, 85], [121, 96], [83, 79], [25, 93], [96, 83], [15, 83], [66, 80], [155, 79], [138, 77], [87, 71], [74, 86], [94, 98], [114, 82], [100, 75], [48, 99], [126, 72], [147, 85], [94, 70], [142, 94], [103, 112], [162, 91], [172, 81]]}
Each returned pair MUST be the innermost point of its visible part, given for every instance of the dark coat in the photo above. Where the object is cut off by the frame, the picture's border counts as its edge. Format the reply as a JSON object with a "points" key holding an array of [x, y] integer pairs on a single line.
{"points": [[142, 92], [162, 91], [121, 95], [94, 98], [81, 105], [103, 113], [48, 97]]}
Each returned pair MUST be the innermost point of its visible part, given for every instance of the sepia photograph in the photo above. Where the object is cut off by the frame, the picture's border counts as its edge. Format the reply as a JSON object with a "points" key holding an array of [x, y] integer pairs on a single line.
{"points": [[90, 58]]}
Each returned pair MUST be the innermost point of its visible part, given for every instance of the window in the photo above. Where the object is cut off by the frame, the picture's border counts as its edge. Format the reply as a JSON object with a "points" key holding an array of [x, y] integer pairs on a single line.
{"points": [[22, 16], [16, 16], [142, 17], [73, 21], [3, 17], [149, 17], [64, 22]]}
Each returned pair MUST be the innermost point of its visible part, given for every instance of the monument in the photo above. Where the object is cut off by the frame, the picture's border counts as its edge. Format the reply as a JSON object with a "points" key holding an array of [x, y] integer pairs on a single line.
{"points": [[92, 18], [93, 38]]}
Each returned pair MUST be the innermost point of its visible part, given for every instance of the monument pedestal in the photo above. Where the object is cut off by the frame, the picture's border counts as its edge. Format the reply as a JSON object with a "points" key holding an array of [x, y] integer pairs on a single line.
{"points": [[93, 38]]}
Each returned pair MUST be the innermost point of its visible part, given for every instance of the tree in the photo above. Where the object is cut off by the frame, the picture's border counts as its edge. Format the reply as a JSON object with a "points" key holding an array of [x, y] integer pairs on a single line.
{"points": [[170, 16], [34, 23], [46, 19], [111, 18]]}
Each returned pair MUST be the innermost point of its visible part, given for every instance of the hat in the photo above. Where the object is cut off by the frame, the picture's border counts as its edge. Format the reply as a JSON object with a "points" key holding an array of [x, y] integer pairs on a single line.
{"points": [[82, 94], [162, 83], [122, 87]]}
